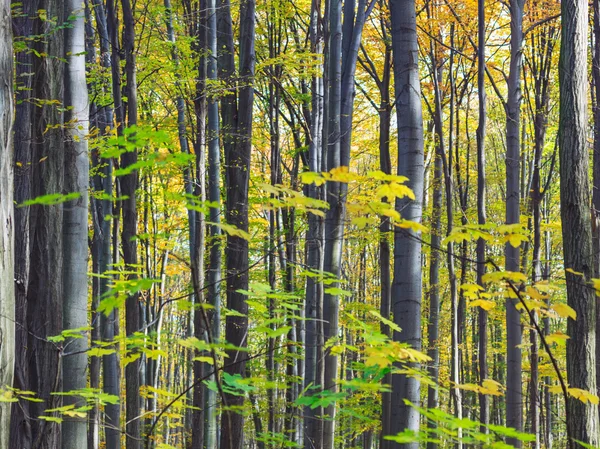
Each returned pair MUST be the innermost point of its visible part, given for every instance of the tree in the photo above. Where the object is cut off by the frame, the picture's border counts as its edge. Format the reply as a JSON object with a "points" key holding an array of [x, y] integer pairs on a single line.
{"points": [[45, 289], [75, 221], [407, 284], [514, 394], [582, 418], [7, 277], [236, 117]]}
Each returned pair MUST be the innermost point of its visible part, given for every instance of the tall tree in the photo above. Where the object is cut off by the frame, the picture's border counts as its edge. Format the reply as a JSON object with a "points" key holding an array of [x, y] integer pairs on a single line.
{"points": [[45, 290], [407, 284], [20, 432], [214, 276], [514, 394], [236, 116], [75, 220], [7, 277], [582, 418], [346, 22], [484, 407], [129, 183], [107, 27]]}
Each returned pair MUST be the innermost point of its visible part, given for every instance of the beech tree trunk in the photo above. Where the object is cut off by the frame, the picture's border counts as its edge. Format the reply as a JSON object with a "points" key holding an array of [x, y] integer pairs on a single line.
{"points": [[75, 221], [129, 184], [7, 275], [45, 290], [484, 406], [407, 284], [20, 428], [514, 366], [236, 113], [582, 419]]}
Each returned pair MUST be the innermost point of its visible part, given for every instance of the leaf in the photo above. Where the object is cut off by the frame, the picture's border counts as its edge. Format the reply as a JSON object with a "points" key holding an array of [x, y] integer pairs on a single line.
{"points": [[576, 273], [564, 311], [557, 337], [99, 352], [335, 291], [485, 304], [51, 199], [312, 178], [232, 230], [385, 321], [583, 395]]}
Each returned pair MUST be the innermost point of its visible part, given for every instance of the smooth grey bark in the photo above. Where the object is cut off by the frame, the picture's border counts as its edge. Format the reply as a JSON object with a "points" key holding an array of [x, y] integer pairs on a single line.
{"points": [[313, 246], [129, 184], [107, 27], [514, 363], [447, 161], [345, 31], [95, 117], [484, 406], [582, 419], [7, 274], [213, 295], [407, 284], [75, 221], [433, 321]]}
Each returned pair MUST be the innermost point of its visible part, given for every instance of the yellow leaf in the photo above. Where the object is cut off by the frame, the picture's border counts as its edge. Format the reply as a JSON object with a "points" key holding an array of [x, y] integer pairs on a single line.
{"points": [[490, 386], [564, 311], [407, 224], [584, 396], [483, 303], [515, 239], [557, 337], [572, 271], [535, 294]]}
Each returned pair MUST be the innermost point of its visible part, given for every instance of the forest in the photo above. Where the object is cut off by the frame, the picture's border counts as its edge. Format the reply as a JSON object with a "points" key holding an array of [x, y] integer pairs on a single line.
{"points": [[316, 224]]}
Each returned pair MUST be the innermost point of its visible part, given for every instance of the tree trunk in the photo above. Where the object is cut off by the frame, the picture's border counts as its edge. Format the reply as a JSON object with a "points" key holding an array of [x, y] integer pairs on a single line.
{"points": [[45, 290], [407, 284], [75, 222], [237, 122], [7, 274], [484, 406], [129, 184], [107, 27], [514, 395], [582, 419], [20, 426]]}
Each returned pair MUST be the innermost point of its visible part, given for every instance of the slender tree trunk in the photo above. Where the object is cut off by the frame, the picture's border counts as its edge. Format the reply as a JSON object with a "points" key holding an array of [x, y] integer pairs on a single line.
{"points": [[406, 288], [385, 227], [436, 239], [541, 64], [75, 221], [582, 419], [514, 395], [214, 196], [7, 274], [129, 185], [107, 27], [484, 406], [313, 438]]}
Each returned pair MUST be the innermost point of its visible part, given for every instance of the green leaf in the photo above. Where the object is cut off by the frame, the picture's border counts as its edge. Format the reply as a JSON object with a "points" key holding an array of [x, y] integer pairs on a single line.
{"points": [[51, 199]]}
